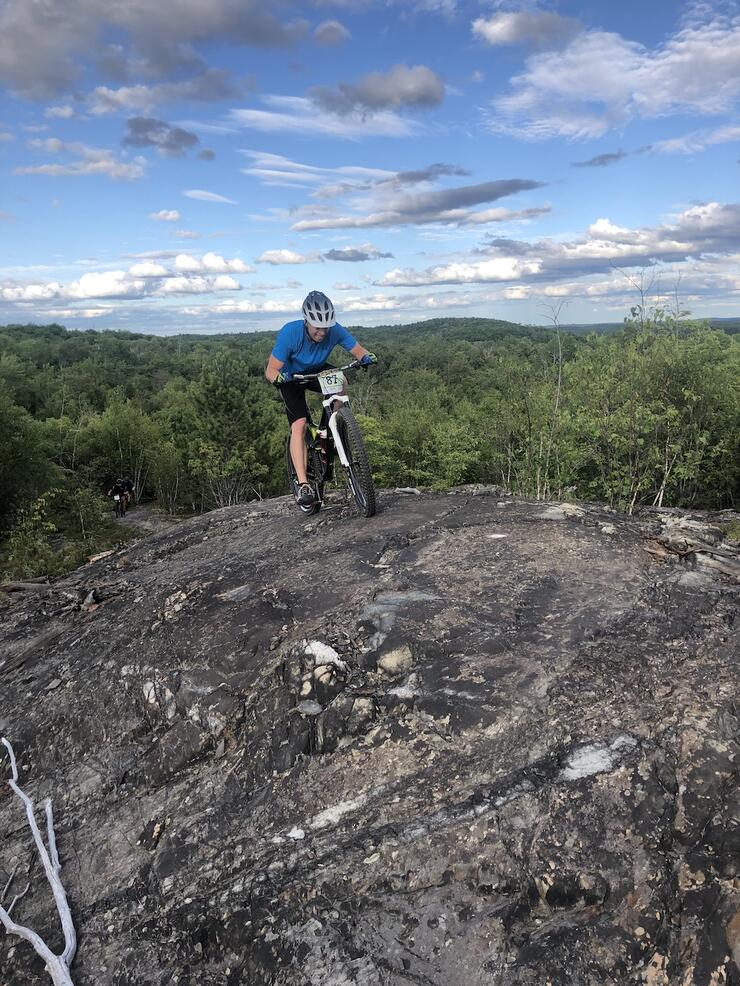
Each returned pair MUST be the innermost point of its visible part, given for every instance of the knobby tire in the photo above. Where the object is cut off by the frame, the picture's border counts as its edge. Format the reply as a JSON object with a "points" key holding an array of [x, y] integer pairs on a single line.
{"points": [[361, 477]]}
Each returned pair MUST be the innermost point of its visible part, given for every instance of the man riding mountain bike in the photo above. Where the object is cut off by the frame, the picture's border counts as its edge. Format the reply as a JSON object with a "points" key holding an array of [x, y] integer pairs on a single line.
{"points": [[124, 490], [303, 346]]}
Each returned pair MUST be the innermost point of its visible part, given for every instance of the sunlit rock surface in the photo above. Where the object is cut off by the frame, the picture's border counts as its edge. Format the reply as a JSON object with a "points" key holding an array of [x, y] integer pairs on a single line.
{"points": [[470, 741]]}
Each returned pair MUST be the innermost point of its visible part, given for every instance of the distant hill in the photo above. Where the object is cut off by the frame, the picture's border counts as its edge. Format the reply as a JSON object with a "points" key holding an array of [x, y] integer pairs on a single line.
{"points": [[728, 325], [468, 329]]}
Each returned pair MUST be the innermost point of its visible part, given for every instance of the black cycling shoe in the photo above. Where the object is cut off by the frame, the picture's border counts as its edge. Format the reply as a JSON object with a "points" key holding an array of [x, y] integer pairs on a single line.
{"points": [[305, 496]]}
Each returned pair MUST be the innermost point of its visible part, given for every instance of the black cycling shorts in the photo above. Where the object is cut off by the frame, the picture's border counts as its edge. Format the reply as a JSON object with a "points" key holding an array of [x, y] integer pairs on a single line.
{"points": [[293, 394]]}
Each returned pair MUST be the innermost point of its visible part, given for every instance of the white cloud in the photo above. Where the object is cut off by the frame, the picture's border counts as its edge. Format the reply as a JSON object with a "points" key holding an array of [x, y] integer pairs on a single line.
{"points": [[540, 28], [59, 112], [213, 263], [181, 284], [77, 312], [331, 33], [601, 81], [373, 303], [223, 282], [484, 271], [295, 114], [5, 136], [90, 161], [145, 279], [108, 284], [247, 307], [203, 196], [698, 234], [285, 257], [147, 269], [184, 262], [165, 215]]}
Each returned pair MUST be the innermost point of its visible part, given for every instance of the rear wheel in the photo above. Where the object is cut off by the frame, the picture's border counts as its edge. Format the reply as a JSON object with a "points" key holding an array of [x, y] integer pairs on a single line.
{"points": [[314, 474], [360, 475]]}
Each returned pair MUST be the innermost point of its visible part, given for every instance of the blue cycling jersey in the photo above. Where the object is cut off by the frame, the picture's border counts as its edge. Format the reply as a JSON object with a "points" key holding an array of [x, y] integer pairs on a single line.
{"points": [[299, 354]]}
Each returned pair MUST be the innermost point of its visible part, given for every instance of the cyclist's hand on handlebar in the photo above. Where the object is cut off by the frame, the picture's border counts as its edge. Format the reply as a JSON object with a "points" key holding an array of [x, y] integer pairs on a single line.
{"points": [[369, 359], [283, 377]]}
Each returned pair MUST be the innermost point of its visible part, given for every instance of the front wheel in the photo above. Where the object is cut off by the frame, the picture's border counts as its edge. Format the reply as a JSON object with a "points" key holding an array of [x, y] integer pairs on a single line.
{"points": [[360, 475]]}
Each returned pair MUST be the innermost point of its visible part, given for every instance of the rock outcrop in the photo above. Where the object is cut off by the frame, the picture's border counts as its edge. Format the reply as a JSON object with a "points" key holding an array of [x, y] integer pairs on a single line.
{"points": [[470, 741]]}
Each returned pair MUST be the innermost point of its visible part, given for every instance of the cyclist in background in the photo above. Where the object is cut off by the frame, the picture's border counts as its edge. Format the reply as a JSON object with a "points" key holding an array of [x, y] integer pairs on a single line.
{"points": [[304, 346], [125, 489]]}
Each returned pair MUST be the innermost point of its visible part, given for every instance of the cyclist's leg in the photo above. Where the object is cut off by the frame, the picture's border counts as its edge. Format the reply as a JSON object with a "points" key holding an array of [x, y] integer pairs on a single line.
{"points": [[294, 398], [298, 448]]}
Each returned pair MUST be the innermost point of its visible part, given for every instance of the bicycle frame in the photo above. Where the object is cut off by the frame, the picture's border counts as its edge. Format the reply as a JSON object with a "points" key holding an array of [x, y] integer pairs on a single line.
{"points": [[338, 436], [328, 403]]}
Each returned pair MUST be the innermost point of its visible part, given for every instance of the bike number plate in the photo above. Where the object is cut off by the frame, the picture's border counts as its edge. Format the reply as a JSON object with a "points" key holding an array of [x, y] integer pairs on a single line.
{"points": [[331, 382], [116, 497]]}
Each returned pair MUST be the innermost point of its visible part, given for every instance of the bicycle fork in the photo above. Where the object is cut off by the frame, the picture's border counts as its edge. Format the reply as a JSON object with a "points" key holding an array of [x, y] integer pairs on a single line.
{"points": [[343, 458]]}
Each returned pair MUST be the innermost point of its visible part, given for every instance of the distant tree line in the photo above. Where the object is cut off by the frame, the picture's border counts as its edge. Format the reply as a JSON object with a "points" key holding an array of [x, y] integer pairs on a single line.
{"points": [[646, 415]]}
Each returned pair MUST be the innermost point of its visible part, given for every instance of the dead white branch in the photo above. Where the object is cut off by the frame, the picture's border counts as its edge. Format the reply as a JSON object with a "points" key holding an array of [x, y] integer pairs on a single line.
{"points": [[56, 965]]}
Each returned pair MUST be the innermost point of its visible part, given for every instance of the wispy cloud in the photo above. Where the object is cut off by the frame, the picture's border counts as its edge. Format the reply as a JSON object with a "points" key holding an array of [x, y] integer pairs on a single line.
{"points": [[451, 205], [331, 33], [89, 161], [274, 169], [697, 141], [202, 195], [296, 114], [601, 160]]}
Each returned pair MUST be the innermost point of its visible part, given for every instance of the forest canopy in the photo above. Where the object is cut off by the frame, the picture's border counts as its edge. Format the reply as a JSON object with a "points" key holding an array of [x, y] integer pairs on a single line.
{"points": [[647, 415]]}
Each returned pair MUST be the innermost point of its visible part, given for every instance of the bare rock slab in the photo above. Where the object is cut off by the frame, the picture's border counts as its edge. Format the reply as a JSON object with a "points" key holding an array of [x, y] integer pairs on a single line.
{"points": [[472, 741]]}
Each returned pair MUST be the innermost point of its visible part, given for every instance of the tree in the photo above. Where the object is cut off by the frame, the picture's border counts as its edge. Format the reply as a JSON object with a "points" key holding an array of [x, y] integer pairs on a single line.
{"points": [[25, 469], [122, 441], [231, 452]]}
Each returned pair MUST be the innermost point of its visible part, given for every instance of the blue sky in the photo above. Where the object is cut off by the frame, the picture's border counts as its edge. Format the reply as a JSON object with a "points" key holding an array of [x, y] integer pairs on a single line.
{"points": [[199, 165]]}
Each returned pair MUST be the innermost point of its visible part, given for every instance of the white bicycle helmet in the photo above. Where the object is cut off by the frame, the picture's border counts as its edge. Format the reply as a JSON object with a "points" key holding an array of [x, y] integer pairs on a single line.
{"points": [[318, 310]]}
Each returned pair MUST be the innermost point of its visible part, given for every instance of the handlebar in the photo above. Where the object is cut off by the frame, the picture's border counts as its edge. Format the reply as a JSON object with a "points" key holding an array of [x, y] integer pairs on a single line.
{"points": [[336, 369]]}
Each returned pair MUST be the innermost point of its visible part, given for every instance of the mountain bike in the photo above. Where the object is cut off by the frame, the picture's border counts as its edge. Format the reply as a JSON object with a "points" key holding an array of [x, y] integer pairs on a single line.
{"points": [[119, 504], [337, 441]]}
